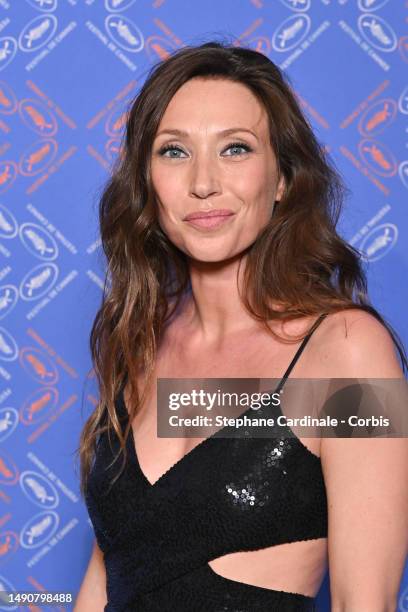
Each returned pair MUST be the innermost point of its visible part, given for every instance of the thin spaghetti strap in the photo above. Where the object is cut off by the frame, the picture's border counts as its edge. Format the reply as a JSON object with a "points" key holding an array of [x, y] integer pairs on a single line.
{"points": [[299, 352]]}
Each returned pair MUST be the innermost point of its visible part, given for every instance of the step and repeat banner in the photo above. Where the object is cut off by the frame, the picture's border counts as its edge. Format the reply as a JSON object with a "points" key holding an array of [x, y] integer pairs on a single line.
{"points": [[68, 70]]}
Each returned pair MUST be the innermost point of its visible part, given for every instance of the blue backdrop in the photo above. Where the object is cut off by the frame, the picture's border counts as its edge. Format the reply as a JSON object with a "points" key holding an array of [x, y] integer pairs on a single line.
{"points": [[68, 69]]}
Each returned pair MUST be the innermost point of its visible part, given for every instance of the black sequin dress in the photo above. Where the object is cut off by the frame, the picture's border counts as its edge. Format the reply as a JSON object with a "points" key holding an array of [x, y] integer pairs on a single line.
{"points": [[225, 495]]}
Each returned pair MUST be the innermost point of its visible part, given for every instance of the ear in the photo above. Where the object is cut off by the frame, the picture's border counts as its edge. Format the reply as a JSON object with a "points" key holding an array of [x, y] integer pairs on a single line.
{"points": [[281, 189]]}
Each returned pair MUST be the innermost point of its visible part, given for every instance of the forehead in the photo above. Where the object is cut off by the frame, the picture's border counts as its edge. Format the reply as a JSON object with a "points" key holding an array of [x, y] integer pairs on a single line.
{"points": [[216, 103]]}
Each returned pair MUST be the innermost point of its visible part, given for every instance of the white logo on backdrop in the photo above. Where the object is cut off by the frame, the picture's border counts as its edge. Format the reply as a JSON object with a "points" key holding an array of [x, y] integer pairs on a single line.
{"points": [[118, 5], [8, 299], [37, 33], [38, 241], [379, 241], [5, 585], [39, 529], [38, 281], [8, 50], [43, 5], [8, 346], [403, 101], [291, 32], [39, 490], [403, 172], [8, 422], [8, 224], [124, 33], [377, 32], [297, 5], [371, 5]]}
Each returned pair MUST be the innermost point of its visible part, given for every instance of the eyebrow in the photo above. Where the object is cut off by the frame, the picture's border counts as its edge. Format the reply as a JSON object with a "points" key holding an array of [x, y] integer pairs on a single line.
{"points": [[226, 132]]}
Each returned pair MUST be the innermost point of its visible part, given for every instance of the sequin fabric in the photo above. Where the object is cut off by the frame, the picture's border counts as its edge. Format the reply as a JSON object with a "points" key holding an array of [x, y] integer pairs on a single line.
{"points": [[227, 495]]}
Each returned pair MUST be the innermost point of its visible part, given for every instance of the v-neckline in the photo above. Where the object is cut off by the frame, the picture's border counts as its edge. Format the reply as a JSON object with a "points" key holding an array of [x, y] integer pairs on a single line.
{"points": [[171, 469], [131, 444]]}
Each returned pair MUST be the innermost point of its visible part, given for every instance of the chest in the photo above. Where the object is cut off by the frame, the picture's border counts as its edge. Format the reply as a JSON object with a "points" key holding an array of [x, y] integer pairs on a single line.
{"points": [[244, 357]]}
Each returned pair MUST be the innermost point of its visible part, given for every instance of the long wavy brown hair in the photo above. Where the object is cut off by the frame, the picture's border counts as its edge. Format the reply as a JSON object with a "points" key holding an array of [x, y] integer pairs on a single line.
{"points": [[298, 261]]}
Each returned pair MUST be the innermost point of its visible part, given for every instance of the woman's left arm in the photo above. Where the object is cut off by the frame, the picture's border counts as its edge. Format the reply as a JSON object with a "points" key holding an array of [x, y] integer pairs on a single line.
{"points": [[367, 489]]}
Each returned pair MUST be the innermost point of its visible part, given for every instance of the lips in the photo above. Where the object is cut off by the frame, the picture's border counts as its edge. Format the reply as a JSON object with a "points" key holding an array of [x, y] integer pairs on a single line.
{"points": [[200, 214]]}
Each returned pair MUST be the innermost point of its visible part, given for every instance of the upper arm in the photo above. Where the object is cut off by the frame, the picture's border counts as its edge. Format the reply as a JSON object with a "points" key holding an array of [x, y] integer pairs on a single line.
{"points": [[366, 484], [92, 594]]}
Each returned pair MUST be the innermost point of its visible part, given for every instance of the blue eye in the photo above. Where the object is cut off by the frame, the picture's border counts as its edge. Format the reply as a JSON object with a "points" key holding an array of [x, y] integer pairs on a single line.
{"points": [[169, 147], [173, 147], [239, 145]]}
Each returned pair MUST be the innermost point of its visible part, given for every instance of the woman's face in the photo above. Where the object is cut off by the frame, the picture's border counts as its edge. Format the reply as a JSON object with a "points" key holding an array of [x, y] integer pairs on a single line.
{"points": [[205, 168]]}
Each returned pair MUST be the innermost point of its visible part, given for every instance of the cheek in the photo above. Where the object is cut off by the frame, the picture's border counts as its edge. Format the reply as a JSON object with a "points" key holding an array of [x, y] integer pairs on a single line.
{"points": [[166, 188]]}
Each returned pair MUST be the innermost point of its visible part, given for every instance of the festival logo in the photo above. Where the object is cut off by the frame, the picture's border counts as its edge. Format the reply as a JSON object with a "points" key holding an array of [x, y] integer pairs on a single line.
{"points": [[8, 422], [8, 470], [116, 121], [371, 5], [403, 101], [37, 33], [291, 32], [38, 406], [403, 47], [45, 6], [8, 50], [297, 5], [39, 529], [39, 490], [8, 299], [379, 242], [378, 117], [118, 5], [377, 32], [8, 99], [5, 585], [38, 156], [159, 48], [8, 346], [403, 172], [37, 117], [8, 224], [38, 281], [377, 157], [261, 44], [112, 148], [8, 545], [124, 33], [8, 174], [38, 241], [39, 366]]}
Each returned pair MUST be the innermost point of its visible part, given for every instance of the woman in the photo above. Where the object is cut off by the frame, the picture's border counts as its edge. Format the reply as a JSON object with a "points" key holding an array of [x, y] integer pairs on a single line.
{"points": [[262, 280]]}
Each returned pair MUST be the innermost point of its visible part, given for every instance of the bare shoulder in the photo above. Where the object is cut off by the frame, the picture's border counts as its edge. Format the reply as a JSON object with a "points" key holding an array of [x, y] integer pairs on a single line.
{"points": [[365, 478], [354, 343]]}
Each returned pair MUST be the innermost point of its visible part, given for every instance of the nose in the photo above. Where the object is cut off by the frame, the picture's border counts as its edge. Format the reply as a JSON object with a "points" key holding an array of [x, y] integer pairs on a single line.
{"points": [[204, 180]]}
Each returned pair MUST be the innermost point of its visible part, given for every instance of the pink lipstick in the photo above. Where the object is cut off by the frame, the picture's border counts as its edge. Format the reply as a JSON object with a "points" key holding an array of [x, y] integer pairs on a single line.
{"points": [[210, 219]]}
